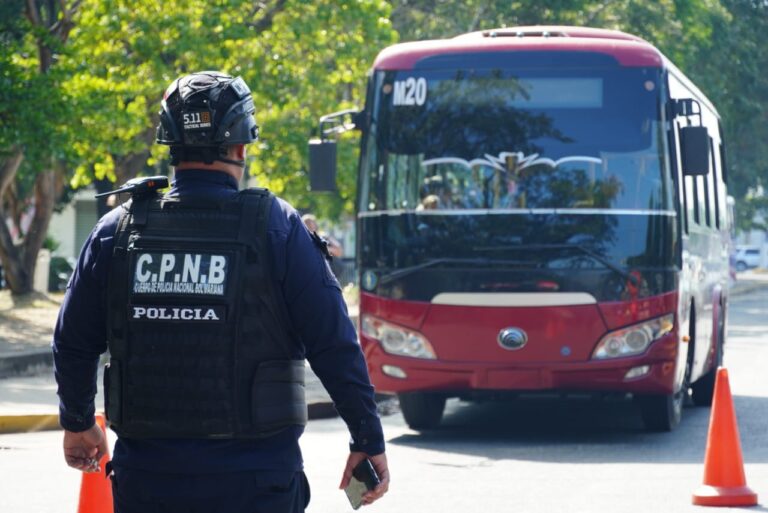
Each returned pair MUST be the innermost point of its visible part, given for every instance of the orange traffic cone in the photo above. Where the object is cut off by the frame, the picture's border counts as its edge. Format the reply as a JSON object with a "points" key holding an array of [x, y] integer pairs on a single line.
{"points": [[95, 488], [724, 481]]}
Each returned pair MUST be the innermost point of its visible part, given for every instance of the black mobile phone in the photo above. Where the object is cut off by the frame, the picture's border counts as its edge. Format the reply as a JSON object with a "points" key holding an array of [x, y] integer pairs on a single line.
{"points": [[364, 478]]}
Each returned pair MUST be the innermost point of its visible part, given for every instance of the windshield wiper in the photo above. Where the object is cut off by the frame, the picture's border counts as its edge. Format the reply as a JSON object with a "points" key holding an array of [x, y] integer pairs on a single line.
{"points": [[596, 256], [405, 271], [610, 265]]}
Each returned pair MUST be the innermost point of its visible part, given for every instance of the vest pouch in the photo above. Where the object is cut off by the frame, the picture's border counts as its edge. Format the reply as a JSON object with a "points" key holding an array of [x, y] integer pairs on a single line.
{"points": [[111, 387], [277, 395]]}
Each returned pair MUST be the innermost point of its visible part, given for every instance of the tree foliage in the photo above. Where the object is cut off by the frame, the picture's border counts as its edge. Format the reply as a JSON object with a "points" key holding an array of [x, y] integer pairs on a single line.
{"points": [[299, 58], [81, 80], [34, 116]]}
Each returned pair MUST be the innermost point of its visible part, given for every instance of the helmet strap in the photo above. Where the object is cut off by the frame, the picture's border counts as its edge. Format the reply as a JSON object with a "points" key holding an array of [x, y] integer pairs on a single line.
{"points": [[223, 158], [239, 163]]}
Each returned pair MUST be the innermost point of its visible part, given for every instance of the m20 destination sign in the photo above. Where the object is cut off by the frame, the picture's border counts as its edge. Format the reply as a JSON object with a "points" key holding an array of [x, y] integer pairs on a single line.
{"points": [[201, 274]]}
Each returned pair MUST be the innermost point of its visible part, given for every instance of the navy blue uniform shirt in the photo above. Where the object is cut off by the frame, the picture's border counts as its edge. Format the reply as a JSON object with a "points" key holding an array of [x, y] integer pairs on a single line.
{"points": [[316, 308]]}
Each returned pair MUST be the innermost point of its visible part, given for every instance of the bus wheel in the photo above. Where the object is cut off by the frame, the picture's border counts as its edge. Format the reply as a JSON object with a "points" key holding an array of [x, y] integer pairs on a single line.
{"points": [[422, 410], [661, 412], [704, 388]]}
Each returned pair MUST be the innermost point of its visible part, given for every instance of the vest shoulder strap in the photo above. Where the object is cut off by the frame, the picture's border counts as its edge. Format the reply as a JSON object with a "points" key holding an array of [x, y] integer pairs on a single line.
{"points": [[118, 273], [254, 222]]}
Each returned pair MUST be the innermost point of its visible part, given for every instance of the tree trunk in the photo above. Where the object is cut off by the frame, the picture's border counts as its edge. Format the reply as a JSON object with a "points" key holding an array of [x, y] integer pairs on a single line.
{"points": [[19, 260], [8, 170], [129, 166], [10, 254], [51, 23], [16, 277], [45, 198]]}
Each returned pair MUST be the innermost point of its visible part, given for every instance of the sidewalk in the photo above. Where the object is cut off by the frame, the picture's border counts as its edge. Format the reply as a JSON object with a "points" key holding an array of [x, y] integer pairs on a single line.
{"points": [[30, 403], [28, 400], [749, 281], [25, 333]]}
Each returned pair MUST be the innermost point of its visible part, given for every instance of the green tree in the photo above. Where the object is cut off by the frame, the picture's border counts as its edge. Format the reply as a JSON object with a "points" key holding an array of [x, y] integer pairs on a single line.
{"points": [[34, 113], [437, 19], [677, 27], [81, 82], [731, 70], [345, 38], [298, 57]]}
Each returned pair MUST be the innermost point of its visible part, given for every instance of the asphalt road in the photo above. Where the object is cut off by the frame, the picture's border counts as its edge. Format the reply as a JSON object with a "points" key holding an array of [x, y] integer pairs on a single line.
{"points": [[526, 455]]}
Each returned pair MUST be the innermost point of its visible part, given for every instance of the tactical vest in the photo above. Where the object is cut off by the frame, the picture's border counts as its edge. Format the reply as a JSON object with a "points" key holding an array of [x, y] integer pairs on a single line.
{"points": [[199, 342]]}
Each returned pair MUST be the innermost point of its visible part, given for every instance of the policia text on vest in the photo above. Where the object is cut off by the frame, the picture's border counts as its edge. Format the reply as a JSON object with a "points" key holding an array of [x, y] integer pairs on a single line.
{"points": [[178, 313]]}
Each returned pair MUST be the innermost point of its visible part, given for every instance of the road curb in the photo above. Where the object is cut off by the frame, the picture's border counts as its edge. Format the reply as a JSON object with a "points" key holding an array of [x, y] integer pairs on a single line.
{"points": [[744, 287], [26, 363], [28, 423], [10, 424]]}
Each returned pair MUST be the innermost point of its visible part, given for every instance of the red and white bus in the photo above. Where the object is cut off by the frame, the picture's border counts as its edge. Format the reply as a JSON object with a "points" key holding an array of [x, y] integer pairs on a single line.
{"points": [[539, 209]]}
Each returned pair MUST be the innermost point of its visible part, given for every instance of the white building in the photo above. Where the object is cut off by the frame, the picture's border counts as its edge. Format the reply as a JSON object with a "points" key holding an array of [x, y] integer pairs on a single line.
{"points": [[70, 227]]}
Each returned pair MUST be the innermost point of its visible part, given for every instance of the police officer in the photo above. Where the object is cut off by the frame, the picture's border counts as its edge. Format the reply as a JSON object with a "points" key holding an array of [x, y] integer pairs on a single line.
{"points": [[209, 300]]}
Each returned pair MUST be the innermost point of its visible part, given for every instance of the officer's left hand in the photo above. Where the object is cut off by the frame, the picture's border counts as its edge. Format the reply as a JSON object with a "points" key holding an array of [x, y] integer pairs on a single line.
{"points": [[84, 450], [379, 463]]}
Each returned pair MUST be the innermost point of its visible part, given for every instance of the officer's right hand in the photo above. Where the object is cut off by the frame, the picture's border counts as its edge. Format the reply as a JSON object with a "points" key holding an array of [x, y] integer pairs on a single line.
{"points": [[84, 450], [379, 463]]}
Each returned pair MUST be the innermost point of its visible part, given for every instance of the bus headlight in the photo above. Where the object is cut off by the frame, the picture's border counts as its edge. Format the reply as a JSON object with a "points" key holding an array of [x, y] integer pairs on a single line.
{"points": [[397, 340], [633, 340]]}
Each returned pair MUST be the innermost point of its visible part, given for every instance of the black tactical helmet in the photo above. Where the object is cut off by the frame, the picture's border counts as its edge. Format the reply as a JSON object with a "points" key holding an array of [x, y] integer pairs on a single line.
{"points": [[203, 113]]}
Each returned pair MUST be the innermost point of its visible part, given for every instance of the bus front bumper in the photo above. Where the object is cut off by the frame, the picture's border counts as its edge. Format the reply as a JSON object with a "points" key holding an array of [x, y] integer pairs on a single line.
{"points": [[650, 373]]}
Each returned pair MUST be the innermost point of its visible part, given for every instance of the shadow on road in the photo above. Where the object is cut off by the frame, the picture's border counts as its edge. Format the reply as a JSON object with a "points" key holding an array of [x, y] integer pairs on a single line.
{"points": [[581, 431]]}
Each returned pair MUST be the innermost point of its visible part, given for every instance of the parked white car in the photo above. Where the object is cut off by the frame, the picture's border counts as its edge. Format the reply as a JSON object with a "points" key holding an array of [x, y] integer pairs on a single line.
{"points": [[747, 257]]}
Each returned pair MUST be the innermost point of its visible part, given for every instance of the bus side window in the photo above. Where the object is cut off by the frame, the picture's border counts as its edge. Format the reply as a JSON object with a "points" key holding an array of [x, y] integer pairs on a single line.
{"points": [[696, 203], [695, 194], [721, 187], [686, 192], [705, 197], [714, 183], [686, 214]]}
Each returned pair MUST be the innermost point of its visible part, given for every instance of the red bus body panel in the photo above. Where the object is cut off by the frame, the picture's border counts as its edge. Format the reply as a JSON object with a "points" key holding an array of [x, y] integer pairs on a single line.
{"points": [[557, 356], [628, 50], [468, 333], [623, 313]]}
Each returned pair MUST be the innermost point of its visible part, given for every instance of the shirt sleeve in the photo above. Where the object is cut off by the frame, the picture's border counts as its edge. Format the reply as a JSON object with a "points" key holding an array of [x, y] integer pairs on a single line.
{"points": [[80, 334], [319, 316]]}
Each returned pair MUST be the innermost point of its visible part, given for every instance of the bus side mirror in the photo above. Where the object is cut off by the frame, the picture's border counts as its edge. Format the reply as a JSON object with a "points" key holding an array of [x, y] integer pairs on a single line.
{"points": [[322, 151], [694, 146], [322, 165]]}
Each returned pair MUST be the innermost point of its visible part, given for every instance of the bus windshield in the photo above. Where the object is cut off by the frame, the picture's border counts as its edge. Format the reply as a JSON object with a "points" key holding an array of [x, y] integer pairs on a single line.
{"points": [[464, 139]]}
